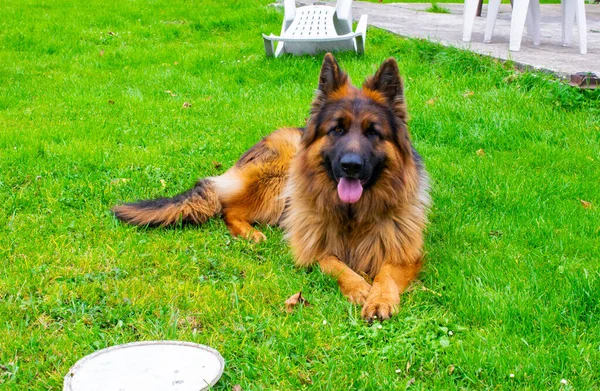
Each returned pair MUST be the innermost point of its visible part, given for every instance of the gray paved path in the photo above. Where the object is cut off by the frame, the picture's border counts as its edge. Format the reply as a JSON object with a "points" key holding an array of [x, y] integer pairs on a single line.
{"points": [[410, 20]]}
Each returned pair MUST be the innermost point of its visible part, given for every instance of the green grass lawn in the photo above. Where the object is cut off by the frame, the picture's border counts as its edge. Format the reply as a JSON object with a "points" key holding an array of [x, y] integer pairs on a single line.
{"points": [[91, 113]]}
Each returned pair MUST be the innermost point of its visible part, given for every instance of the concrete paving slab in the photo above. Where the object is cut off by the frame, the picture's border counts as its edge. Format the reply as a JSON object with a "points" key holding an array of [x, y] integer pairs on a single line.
{"points": [[411, 20]]}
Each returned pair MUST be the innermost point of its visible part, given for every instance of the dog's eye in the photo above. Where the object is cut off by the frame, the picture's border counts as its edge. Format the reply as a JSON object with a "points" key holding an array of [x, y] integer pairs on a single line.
{"points": [[337, 129], [371, 131]]}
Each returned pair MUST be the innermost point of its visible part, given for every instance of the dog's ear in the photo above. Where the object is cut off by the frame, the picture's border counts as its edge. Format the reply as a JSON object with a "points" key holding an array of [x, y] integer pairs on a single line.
{"points": [[331, 79], [387, 81]]}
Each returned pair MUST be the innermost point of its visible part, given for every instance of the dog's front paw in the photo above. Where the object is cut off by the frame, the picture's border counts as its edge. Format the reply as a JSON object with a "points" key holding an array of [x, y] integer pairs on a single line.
{"points": [[356, 291], [257, 236], [380, 306]]}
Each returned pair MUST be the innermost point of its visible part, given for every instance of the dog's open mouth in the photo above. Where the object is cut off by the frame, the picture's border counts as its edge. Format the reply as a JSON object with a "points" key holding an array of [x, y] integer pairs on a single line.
{"points": [[349, 190]]}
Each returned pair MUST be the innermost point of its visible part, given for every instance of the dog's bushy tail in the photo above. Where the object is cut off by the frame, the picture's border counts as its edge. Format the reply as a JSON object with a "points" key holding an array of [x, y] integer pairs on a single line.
{"points": [[195, 206]]}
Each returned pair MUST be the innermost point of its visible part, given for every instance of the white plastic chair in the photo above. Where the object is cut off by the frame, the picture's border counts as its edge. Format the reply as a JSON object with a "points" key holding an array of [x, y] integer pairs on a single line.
{"points": [[570, 9], [530, 13], [528, 10], [523, 10], [314, 28]]}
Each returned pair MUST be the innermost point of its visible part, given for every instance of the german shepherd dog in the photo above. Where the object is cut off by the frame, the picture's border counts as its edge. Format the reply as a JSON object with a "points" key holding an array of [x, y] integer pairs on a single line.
{"points": [[349, 190]]}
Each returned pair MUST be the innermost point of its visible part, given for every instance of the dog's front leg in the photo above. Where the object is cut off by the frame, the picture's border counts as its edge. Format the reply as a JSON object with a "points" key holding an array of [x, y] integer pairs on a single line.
{"points": [[389, 283], [352, 285]]}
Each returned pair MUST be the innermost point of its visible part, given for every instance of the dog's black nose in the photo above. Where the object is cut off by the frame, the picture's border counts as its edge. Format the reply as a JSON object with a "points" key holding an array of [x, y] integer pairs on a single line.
{"points": [[351, 164]]}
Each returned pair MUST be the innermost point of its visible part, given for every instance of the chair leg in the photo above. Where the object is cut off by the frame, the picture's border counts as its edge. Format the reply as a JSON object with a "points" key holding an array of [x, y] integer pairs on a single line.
{"points": [[492, 15], [568, 19], [469, 19], [359, 44], [269, 48], [280, 49], [517, 24], [359, 40], [582, 26], [534, 26]]}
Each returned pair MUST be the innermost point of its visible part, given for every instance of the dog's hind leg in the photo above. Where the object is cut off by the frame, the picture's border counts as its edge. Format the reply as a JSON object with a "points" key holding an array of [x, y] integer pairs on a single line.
{"points": [[238, 225], [251, 191], [352, 285]]}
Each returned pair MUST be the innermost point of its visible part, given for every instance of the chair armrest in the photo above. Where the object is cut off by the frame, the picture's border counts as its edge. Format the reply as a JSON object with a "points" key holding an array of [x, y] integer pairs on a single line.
{"points": [[343, 10], [342, 17], [361, 27], [289, 13]]}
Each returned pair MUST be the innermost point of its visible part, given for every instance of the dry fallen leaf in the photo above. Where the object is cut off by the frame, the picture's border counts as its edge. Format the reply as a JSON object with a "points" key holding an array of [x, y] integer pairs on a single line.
{"points": [[410, 382], [44, 320], [424, 288], [111, 33], [495, 234], [87, 320], [170, 92], [216, 164], [294, 300], [468, 94], [586, 204], [119, 180], [111, 102], [451, 369], [480, 152], [237, 387], [511, 78], [304, 378], [186, 105], [193, 321], [419, 283], [163, 183], [431, 101], [101, 52]]}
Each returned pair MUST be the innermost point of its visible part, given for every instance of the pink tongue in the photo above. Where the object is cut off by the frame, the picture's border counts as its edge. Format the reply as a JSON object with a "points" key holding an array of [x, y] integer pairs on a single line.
{"points": [[349, 190]]}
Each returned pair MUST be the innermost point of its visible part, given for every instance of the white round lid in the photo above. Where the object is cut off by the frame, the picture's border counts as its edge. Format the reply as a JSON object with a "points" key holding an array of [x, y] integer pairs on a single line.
{"points": [[147, 366]]}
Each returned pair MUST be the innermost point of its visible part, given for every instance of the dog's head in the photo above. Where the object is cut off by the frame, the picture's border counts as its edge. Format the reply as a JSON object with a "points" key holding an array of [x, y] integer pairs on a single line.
{"points": [[358, 133]]}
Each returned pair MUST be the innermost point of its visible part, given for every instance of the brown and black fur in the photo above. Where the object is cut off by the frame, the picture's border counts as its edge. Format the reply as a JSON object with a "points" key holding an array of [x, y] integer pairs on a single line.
{"points": [[290, 179]]}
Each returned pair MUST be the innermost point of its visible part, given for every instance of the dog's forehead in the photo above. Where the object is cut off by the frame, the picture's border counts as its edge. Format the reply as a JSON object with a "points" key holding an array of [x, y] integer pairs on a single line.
{"points": [[358, 103], [349, 92], [374, 95]]}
